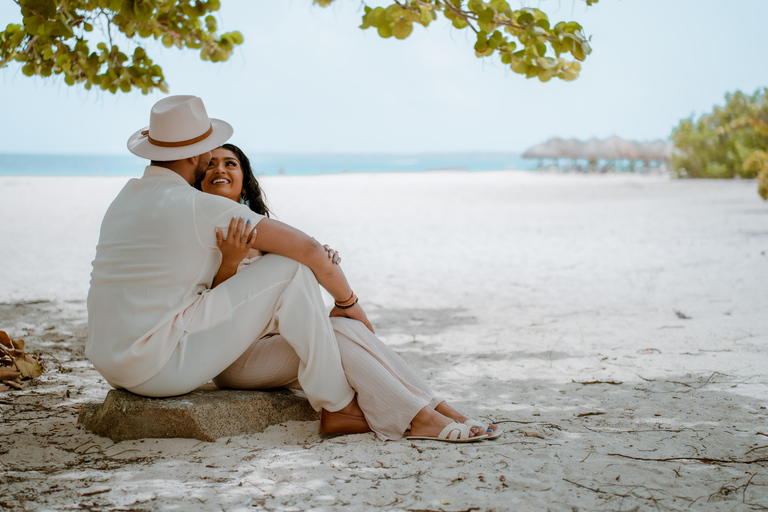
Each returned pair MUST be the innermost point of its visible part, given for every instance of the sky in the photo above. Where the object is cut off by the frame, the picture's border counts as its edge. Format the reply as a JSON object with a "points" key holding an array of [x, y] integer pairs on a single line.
{"points": [[309, 80]]}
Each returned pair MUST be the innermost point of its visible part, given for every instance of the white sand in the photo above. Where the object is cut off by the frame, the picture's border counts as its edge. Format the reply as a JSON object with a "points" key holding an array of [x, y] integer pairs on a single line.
{"points": [[506, 289]]}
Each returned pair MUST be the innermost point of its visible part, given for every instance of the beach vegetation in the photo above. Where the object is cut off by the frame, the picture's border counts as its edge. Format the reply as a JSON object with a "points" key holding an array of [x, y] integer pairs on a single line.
{"points": [[78, 39], [731, 141]]}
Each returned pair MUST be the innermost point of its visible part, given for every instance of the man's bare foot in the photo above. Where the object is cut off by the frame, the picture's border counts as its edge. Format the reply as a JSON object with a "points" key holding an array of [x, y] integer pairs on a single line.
{"points": [[429, 423], [448, 411]]}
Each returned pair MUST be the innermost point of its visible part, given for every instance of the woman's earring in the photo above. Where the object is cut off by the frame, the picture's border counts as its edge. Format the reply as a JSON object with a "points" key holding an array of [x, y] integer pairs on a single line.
{"points": [[244, 201]]}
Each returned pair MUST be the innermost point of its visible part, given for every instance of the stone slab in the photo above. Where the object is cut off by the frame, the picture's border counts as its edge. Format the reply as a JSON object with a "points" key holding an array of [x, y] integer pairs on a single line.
{"points": [[206, 414]]}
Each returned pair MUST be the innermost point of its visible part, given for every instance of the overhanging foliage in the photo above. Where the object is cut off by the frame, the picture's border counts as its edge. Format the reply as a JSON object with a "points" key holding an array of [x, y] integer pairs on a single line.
{"points": [[56, 37]]}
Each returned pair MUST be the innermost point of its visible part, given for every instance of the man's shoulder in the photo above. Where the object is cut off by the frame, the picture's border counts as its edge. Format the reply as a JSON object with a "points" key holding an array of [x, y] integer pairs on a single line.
{"points": [[212, 210], [213, 202], [216, 207]]}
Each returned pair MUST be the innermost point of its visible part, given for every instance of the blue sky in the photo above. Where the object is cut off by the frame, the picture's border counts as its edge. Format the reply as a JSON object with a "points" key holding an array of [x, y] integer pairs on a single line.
{"points": [[309, 80]]}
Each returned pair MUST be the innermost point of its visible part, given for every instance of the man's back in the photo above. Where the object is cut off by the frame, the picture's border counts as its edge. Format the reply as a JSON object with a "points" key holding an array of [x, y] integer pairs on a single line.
{"points": [[156, 256]]}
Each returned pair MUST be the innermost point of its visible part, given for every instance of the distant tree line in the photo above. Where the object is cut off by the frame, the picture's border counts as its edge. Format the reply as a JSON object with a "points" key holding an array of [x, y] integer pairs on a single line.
{"points": [[731, 141]]}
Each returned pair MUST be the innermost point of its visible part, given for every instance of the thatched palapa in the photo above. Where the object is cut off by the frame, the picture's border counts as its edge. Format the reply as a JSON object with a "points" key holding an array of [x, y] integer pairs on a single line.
{"points": [[610, 149]]}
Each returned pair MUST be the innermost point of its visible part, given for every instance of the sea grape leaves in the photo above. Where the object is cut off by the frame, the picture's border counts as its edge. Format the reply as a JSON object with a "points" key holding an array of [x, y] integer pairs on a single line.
{"points": [[52, 37]]}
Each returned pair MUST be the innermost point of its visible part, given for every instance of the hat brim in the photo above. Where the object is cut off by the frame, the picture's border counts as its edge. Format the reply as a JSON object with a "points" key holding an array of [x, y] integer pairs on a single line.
{"points": [[139, 144]]}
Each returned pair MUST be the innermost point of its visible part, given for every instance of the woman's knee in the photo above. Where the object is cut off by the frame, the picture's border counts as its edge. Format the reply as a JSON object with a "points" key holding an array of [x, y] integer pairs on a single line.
{"points": [[280, 265], [287, 267]]}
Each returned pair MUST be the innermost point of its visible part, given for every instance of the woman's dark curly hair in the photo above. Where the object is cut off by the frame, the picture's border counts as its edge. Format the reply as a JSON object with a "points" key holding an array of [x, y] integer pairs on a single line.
{"points": [[252, 191]]}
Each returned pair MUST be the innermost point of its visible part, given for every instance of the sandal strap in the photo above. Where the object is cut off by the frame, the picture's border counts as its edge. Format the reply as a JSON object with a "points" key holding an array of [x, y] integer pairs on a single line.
{"points": [[472, 422], [455, 431]]}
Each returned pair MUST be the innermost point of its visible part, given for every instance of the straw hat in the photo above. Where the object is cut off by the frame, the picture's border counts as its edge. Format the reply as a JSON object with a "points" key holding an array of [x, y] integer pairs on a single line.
{"points": [[179, 127]]}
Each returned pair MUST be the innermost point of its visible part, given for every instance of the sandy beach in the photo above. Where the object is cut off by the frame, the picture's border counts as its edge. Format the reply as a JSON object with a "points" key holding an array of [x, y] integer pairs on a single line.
{"points": [[615, 326]]}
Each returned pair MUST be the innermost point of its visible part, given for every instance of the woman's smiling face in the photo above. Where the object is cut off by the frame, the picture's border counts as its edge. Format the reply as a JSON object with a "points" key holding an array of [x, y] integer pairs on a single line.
{"points": [[224, 176]]}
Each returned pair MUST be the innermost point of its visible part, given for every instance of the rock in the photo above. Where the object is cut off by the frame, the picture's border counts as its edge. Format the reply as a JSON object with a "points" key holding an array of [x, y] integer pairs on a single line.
{"points": [[206, 414]]}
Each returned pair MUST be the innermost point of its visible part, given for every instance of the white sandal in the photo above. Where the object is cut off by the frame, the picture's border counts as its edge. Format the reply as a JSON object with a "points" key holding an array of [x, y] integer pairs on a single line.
{"points": [[453, 433], [489, 434]]}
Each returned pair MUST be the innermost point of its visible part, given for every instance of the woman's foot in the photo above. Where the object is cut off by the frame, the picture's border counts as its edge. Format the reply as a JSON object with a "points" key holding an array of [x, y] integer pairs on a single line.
{"points": [[348, 420], [429, 423], [448, 411]]}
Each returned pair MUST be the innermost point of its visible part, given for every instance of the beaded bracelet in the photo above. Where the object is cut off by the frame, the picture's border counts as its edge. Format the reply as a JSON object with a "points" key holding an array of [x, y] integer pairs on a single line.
{"points": [[346, 307], [351, 301]]}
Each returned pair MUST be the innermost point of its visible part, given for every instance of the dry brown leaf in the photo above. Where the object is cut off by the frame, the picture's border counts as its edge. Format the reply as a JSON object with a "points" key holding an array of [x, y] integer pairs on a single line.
{"points": [[585, 414], [13, 384], [18, 344], [9, 352], [15, 364], [7, 373], [28, 366], [588, 382]]}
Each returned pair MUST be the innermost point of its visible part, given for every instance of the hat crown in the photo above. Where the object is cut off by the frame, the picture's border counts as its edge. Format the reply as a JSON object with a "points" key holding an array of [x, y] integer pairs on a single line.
{"points": [[179, 127], [178, 118]]}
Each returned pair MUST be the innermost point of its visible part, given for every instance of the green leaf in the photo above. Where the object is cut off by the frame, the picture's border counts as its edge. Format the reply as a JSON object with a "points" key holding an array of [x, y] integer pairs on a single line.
{"points": [[237, 37], [525, 18], [44, 8], [426, 17], [518, 65], [578, 51], [385, 31], [460, 23], [402, 29], [481, 44], [501, 6], [486, 15], [572, 27]]}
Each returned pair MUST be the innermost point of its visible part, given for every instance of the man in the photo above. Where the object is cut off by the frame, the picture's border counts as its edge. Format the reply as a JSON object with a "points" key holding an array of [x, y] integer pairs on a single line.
{"points": [[155, 327]]}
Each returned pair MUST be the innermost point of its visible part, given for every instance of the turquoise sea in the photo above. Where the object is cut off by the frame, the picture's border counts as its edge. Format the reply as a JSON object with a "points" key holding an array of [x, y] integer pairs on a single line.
{"points": [[289, 164]]}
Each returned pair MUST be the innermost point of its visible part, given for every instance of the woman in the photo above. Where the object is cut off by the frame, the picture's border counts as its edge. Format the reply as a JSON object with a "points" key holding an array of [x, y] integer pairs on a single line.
{"points": [[391, 398]]}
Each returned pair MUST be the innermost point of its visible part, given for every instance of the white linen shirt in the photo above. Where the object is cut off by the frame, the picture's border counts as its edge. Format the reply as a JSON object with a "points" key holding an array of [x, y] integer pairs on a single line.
{"points": [[155, 261]]}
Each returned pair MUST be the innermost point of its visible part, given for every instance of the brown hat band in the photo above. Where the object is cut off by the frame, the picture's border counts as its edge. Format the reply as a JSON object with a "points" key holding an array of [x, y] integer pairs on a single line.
{"points": [[178, 144]]}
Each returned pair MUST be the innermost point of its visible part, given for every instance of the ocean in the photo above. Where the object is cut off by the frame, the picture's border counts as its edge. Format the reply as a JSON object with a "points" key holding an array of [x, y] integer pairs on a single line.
{"points": [[267, 164]]}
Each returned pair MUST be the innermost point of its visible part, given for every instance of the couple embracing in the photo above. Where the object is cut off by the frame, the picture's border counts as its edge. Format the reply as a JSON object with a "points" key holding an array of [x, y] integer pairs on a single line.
{"points": [[193, 281]]}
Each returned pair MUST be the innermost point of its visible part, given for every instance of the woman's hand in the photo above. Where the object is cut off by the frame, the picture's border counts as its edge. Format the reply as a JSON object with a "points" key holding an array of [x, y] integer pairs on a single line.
{"points": [[241, 237], [355, 312], [335, 258]]}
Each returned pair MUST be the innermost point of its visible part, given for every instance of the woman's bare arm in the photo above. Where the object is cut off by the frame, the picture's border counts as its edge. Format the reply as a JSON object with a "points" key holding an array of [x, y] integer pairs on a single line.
{"points": [[277, 237]]}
